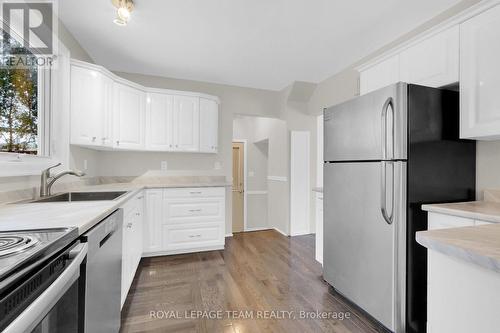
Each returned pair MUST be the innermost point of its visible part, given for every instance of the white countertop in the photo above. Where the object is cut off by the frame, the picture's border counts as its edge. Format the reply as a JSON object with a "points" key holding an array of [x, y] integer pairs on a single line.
{"points": [[479, 245], [477, 210], [83, 215]]}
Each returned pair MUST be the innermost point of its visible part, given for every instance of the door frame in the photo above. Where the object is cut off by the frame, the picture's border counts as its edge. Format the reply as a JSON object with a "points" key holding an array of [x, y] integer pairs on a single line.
{"points": [[244, 142]]}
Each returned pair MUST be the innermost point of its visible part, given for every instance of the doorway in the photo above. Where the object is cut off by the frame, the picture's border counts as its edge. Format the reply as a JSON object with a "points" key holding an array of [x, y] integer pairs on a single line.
{"points": [[238, 186]]}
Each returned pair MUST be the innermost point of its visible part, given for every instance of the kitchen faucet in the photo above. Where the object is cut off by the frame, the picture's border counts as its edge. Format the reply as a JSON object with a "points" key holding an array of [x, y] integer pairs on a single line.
{"points": [[47, 180]]}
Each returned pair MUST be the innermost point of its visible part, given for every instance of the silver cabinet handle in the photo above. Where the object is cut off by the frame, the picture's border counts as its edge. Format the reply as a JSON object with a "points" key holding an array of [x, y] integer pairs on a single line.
{"points": [[194, 210], [117, 143], [94, 138], [194, 236], [129, 225], [388, 103], [195, 192], [139, 198], [137, 214], [383, 192]]}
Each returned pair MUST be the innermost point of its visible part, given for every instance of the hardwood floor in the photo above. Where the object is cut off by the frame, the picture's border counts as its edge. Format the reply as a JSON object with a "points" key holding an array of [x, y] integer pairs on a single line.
{"points": [[257, 272]]}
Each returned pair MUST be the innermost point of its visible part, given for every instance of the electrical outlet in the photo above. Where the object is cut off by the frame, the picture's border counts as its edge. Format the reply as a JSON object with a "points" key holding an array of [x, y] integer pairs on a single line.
{"points": [[163, 165], [217, 165], [251, 174]]}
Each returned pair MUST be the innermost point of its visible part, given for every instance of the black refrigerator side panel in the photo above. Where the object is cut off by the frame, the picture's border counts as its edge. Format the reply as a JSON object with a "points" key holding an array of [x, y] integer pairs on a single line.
{"points": [[441, 168]]}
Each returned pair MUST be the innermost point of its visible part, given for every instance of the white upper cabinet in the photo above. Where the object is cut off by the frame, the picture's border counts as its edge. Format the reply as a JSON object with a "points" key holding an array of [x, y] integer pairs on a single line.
{"points": [[186, 123], [87, 106], [432, 62], [128, 117], [108, 112], [380, 75], [209, 125], [480, 76], [159, 122]]}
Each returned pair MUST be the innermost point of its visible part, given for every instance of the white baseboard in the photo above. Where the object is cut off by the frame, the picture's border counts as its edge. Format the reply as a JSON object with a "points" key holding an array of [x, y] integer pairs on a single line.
{"points": [[229, 235], [301, 233], [281, 232], [258, 229]]}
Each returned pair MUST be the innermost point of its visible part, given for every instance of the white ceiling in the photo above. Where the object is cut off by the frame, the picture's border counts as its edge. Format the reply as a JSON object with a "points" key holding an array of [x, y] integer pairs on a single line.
{"points": [[253, 43]]}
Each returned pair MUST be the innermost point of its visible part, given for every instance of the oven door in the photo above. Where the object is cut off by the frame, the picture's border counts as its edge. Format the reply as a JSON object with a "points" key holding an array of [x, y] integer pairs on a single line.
{"points": [[59, 308]]}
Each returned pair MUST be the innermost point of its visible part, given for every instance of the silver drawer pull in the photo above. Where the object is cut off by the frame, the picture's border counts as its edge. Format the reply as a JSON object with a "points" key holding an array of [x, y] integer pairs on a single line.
{"points": [[198, 192], [194, 236], [194, 210], [129, 225]]}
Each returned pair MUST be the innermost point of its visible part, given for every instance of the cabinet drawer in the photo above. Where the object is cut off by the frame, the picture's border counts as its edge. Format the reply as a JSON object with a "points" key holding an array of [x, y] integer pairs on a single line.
{"points": [[194, 192], [191, 236], [193, 210]]}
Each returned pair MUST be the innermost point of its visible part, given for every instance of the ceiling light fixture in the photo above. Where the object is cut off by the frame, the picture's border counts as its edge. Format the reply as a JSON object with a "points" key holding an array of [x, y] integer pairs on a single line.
{"points": [[124, 8]]}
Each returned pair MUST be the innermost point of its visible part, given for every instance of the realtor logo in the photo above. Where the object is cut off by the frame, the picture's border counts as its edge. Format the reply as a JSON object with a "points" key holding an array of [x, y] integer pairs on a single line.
{"points": [[28, 33]]}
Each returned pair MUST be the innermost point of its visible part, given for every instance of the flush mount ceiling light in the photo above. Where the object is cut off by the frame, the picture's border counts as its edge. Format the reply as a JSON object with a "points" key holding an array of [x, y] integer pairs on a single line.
{"points": [[124, 8]]}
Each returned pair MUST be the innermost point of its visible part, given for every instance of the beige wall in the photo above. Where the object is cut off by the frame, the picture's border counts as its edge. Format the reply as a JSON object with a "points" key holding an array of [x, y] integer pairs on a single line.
{"points": [[271, 135]]}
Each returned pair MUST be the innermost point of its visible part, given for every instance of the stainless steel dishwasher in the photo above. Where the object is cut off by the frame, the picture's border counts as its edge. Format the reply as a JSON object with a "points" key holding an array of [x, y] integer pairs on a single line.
{"points": [[103, 275]]}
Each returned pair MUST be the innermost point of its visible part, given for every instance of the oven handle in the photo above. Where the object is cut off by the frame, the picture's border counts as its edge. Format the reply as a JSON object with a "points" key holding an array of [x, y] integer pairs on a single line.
{"points": [[41, 306]]}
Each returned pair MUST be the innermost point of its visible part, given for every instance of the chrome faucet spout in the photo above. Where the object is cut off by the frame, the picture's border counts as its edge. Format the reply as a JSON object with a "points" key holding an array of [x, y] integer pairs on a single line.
{"points": [[47, 180]]}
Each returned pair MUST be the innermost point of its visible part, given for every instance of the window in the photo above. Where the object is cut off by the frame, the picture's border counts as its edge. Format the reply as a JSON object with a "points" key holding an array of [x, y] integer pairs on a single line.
{"points": [[23, 122]]}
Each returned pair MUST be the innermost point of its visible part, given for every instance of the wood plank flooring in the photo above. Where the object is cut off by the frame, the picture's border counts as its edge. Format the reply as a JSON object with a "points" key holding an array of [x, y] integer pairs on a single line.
{"points": [[261, 273]]}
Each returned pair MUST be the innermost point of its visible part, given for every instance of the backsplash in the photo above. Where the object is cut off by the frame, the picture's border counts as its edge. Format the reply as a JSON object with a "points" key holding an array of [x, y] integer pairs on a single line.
{"points": [[152, 177]]}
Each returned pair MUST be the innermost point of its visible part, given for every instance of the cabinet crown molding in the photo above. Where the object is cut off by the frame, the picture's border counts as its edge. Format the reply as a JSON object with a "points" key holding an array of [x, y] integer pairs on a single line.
{"points": [[119, 79]]}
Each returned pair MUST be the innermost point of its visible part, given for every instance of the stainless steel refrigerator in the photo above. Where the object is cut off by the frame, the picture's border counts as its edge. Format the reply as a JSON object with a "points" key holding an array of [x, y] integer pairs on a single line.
{"points": [[387, 153]]}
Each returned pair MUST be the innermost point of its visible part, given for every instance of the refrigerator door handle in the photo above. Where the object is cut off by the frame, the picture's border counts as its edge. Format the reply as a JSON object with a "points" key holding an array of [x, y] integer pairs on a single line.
{"points": [[383, 192], [388, 103]]}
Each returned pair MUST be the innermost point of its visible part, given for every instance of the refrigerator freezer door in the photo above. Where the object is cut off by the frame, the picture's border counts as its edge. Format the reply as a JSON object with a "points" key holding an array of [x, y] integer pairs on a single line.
{"points": [[360, 247], [364, 127]]}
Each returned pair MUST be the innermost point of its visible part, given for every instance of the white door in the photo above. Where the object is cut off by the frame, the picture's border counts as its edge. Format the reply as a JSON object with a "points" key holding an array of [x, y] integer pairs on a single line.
{"points": [[479, 76], [432, 62], [153, 221], [86, 106], [186, 123], [129, 117], [209, 125], [159, 122], [380, 75]]}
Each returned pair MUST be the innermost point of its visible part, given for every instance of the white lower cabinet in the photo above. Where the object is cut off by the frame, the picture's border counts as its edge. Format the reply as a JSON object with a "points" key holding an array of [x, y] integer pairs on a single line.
{"points": [[132, 241], [182, 220]]}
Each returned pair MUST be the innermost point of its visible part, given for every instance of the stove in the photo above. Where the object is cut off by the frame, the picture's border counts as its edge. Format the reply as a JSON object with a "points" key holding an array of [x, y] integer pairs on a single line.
{"points": [[22, 250], [30, 261]]}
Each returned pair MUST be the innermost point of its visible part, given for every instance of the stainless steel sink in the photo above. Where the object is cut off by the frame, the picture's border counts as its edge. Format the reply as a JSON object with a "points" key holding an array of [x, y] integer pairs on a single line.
{"points": [[82, 196]]}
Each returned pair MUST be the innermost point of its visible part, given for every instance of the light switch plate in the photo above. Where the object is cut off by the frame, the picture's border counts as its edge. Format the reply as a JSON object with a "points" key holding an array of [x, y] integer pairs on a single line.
{"points": [[163, 165]]}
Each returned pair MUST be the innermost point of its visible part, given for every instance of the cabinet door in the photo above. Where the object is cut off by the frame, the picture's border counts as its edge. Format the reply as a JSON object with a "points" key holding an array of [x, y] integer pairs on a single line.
{"points": [[380, 75], [432, 62], [107, 116], [209, 125], [86, 106], [159, 122], [128, 117], [153, 221], [480, 76], [186, 123]]}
